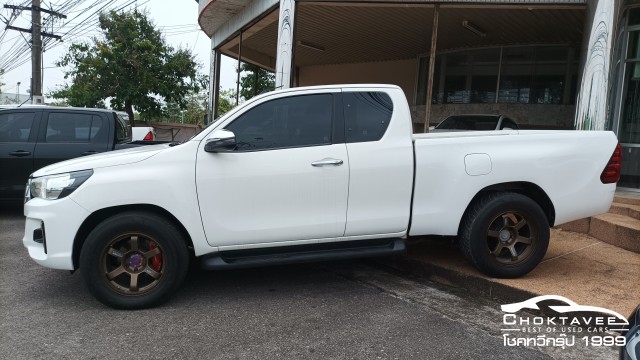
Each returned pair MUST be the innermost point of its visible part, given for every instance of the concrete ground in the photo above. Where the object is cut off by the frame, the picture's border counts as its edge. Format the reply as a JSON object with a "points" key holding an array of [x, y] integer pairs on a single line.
{"points": [[338, 310], [576, 266]]}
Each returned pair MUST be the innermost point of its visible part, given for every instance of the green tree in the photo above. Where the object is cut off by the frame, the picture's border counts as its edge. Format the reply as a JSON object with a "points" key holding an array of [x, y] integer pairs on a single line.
{"points": [[255, 80], [226, 101], [131, 64]]}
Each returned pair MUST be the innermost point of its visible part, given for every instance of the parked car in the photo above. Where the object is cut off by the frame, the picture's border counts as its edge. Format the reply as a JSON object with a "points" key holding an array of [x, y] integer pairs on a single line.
{"points": [[269, 183], [32, 137], [475, 123], [143, 133]]}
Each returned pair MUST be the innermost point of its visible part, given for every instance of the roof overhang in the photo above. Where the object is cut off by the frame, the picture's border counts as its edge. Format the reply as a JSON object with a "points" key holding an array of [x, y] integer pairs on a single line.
{"points": [[212, 14]]}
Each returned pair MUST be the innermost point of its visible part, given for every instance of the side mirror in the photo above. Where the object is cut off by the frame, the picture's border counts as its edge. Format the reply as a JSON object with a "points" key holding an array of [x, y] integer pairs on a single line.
{"points": [[220, 141]]}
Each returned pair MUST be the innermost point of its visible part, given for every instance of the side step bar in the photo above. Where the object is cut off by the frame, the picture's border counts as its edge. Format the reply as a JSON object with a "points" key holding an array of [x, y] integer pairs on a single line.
{"points": [[239, 259]]}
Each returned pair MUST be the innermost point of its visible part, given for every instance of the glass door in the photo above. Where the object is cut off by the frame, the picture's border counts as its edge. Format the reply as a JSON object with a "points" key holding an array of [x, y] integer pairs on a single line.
{"points": [[629, 125]]}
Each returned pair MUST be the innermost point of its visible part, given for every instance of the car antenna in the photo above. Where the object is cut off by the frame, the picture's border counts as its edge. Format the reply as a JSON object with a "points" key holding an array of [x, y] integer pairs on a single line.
{"points": [[24, 102]]}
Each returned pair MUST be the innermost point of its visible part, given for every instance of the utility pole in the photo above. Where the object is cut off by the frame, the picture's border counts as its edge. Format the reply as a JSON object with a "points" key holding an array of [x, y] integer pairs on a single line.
{"points": [[36, 44], [36, 53]]}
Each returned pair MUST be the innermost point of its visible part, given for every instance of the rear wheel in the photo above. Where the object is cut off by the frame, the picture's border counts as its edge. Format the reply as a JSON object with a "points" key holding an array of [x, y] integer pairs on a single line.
{"points": [[504, 234], [134, 260]]}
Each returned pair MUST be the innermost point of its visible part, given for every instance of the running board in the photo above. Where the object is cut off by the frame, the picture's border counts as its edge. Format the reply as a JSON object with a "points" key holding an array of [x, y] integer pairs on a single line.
{"points": [[238, 259]]}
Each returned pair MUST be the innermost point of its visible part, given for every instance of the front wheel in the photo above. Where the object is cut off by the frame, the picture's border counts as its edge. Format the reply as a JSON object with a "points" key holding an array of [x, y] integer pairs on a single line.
{"points": [[504, 234], [134, 260]]}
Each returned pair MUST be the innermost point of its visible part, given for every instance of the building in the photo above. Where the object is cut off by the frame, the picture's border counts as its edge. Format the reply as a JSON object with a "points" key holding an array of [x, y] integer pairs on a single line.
{"points": [[13, 98], [563, 64]]}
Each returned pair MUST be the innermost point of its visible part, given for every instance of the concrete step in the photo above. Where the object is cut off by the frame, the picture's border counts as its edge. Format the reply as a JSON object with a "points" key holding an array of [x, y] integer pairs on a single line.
{"points": [[627, 198], [615, 229], [632, 211]]}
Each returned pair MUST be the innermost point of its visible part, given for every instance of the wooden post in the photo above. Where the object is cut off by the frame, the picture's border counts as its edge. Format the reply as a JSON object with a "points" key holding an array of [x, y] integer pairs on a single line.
{"points": [[214, 85], [238, 78], [432, 61]]}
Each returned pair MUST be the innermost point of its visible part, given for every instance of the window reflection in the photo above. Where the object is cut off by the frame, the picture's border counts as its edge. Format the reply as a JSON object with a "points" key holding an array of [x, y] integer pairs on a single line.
{"points": [[520, 75]]}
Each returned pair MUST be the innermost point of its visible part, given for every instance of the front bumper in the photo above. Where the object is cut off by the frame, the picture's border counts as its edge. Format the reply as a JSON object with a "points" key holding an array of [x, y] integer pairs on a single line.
{"points": [[50, 229]]}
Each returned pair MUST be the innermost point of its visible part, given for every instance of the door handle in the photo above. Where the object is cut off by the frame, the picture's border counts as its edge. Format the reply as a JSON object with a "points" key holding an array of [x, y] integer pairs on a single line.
{"points": [[326, 162], [20, 153], [90, 152]]}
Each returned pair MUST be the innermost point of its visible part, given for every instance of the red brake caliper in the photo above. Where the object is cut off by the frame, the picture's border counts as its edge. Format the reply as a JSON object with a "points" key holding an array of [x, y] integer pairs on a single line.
{"points": [[156, 261]]}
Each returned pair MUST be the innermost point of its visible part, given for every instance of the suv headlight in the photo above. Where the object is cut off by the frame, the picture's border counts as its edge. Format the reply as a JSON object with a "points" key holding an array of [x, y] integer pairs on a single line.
{"points": [[57, 186]]}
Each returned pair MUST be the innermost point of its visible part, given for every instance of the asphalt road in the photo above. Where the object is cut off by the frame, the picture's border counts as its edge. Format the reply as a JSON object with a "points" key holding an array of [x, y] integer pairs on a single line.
{"points": [[341, 310]]}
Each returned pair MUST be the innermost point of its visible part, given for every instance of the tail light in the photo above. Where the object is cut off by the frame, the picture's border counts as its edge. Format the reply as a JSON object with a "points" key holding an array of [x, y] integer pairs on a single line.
{"points": [[148, 137], [611, 173]]}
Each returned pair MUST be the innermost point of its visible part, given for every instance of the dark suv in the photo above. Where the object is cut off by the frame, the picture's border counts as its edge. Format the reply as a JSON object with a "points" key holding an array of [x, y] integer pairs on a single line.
{"points": [[32, 137]]}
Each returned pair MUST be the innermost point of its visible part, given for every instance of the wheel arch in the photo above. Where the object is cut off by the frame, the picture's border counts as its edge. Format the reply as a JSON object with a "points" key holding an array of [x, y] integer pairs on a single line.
{"points": [[528, 189], [100, 215]]}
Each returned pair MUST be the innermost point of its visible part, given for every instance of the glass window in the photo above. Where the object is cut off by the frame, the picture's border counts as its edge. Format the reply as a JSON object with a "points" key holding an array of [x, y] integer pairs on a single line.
{"points": [[454, 90], [123, 130], [634, 16], [72, 127], [295, 121], [548, 89], [15, 127], [455, 79], [634, 46], [484, 75], [528, 75], [367, 115], [517, 71], [423, 74], [630, 116]]}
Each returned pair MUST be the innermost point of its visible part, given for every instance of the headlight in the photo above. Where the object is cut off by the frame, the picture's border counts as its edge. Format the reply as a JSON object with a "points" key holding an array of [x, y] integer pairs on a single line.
{"points": [[57, 186]]}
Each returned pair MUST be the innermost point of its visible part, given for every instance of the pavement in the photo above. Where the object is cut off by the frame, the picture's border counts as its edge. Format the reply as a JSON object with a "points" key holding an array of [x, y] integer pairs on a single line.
{"points": [[576, 266], [336, 310]]}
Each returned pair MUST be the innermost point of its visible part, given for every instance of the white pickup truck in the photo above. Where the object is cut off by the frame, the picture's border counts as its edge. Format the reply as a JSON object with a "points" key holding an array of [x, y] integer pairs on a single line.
{"points": [[309, 174]]}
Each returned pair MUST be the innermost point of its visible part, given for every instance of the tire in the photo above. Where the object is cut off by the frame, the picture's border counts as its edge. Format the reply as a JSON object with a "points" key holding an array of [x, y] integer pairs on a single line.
{"points": [[504, 234], [134, 260]]}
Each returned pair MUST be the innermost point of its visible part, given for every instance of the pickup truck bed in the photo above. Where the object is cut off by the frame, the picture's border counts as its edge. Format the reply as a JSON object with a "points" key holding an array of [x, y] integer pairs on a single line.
{"points": [[311, 174]]}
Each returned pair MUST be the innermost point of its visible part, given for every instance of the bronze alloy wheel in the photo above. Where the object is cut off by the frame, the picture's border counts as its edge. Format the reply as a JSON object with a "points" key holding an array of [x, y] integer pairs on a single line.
{"points": [[132, 264], [510, 238], [504, 234]]}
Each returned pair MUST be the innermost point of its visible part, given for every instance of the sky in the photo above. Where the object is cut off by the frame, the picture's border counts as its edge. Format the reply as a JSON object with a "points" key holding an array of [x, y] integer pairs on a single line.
{"points": [[179, 23]]}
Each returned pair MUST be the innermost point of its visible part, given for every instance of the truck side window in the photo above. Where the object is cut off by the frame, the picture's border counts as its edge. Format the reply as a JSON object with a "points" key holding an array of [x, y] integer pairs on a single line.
{"points": [[367, 115], [73, 127], [294, 121], [15, 127], [123, 129]]}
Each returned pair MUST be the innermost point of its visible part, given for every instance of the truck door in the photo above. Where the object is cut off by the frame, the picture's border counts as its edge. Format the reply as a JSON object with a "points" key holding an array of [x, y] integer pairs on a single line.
{"points": [[69, 134], [380, 147], [286, 180], [18, 132]]}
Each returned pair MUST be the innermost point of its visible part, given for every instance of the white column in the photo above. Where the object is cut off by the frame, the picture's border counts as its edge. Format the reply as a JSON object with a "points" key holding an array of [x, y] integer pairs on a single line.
{"points": [[284, 55], [591, 105]]}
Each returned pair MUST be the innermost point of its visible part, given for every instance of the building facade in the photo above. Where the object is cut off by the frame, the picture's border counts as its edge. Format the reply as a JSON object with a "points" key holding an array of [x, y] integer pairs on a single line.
{"points": [[563, 64]]}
